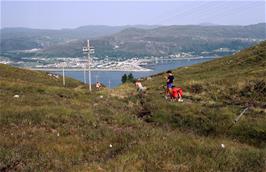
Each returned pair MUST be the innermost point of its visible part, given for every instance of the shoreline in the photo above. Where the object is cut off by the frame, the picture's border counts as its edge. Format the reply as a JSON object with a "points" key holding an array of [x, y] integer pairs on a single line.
{"points": [[137, 69], [81, 69]]}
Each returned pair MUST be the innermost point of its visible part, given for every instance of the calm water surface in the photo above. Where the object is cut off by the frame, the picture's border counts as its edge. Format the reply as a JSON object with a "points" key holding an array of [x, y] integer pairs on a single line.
{"points": [[113, 78]]}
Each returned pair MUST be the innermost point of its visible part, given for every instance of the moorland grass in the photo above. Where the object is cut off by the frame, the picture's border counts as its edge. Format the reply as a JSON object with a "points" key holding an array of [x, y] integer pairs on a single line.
{"points": [[55, 128]]}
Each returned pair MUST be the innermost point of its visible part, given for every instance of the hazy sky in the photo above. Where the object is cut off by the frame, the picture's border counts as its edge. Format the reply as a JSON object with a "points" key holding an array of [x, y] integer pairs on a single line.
{"points": [[71, 14]]}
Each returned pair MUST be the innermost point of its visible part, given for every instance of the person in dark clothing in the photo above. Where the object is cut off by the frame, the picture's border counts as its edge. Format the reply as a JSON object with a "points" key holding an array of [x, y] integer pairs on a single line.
{"points": [[169, 82]]}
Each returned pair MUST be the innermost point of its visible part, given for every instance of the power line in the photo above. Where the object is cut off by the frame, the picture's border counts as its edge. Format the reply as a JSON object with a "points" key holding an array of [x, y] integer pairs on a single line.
{"points": [[183, 12], [84, 73], [211, 9], [89, 50], [172, 11], [204, 10], [109, 83], [230, 11], [64, 82]]}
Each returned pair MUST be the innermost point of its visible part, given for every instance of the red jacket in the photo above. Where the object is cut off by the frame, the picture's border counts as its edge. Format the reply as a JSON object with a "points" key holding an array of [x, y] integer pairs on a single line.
{"points": [[177, 92]]}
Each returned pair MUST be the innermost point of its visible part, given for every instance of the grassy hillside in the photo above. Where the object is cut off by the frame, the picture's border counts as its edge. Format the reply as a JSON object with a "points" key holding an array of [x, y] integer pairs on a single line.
{"points": [[216, 92], [55, 128]]}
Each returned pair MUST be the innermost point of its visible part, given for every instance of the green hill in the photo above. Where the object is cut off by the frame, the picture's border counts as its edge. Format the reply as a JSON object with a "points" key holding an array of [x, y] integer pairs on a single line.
{"points": [[129, 41], [167, 40], [54, 128]]}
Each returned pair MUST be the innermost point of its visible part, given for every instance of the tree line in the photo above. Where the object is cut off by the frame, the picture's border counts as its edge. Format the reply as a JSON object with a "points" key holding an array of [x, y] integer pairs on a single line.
{"points": [[128, 78]]}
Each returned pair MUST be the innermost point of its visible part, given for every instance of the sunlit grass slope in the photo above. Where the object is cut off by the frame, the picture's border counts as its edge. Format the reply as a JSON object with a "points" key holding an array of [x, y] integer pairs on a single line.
{"points": [[215, 94], [54, 128]]}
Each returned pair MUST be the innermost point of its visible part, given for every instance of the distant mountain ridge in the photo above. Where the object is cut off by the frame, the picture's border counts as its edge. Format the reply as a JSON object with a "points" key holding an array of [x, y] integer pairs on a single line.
{"points": [[167, 40], [42, 38], [128, 41]]}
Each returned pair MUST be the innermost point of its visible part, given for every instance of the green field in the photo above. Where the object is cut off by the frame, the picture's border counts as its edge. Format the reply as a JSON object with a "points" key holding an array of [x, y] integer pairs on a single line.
{"points": [[54, 128]]}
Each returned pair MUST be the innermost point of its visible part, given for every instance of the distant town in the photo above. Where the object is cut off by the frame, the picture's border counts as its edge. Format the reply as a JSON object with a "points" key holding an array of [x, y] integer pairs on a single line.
{"points": [[101, 64]]}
